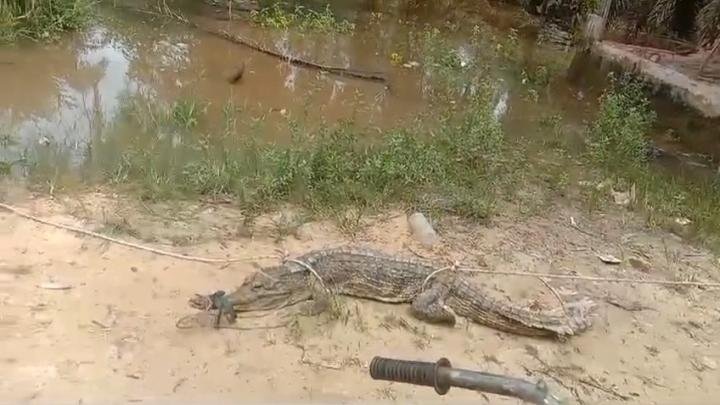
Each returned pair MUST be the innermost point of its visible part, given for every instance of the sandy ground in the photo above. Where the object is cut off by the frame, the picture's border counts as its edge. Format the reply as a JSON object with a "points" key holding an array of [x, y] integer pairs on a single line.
{"points": [[112, 336]]}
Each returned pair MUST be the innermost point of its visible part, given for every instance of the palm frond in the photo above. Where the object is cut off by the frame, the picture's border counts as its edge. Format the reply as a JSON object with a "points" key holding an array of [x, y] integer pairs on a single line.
{"points": [[708, 23], [662, 13]]}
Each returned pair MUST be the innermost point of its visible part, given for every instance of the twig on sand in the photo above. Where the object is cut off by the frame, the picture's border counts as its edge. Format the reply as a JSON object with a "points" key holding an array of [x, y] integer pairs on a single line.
{"points": [[594, 383], [633, 306], [591, 278], [572, 373]]}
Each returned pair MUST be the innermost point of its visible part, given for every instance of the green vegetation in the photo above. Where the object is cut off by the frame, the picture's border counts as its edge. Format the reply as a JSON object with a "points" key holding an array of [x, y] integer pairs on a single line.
{"points": [[186, 113], [42, 19], [618, 145], [618, 136], [328, 170], [281, 16], [457, 161]]}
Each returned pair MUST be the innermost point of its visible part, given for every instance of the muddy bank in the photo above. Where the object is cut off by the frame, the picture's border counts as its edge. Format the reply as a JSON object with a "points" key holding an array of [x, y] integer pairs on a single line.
{"points": [[672, 73]]}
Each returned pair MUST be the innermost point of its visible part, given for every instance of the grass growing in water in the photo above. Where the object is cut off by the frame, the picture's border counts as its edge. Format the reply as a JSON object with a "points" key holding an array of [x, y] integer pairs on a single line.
{"points": [[282, 16], [328, 170], [42, 19], [618, 145], [618, 136]]}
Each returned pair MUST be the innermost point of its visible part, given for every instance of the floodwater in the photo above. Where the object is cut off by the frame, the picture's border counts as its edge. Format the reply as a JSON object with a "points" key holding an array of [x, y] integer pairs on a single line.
{"points": [[56, 99]]}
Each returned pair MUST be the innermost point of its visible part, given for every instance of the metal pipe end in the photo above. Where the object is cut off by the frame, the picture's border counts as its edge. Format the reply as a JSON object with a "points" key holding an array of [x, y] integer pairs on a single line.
{"points": [[442, 383]]}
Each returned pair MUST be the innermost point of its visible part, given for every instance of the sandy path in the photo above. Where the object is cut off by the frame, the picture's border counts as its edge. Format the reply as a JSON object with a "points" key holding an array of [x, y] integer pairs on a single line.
{"points": [[112, 337]]}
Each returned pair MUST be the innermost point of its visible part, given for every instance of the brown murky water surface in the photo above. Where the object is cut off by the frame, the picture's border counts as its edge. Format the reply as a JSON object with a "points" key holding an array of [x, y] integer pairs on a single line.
{"points": [[70, 93]]}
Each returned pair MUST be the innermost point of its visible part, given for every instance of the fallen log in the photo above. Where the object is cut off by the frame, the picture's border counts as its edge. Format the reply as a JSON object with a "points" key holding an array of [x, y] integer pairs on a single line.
{"points": [[340, 71], [237, 39]]}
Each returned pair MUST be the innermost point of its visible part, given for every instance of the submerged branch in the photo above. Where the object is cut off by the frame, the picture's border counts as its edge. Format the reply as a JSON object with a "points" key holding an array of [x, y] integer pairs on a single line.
{"points": [[372, 76], [237, 39]]}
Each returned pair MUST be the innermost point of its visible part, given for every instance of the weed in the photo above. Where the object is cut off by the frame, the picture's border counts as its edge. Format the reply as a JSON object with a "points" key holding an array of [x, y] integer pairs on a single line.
{"points": [[359, 320], [535, 80], [185, 113], [618, 136], [42, 19], [618, 146], [118, 226], [350, 221], [284, 224], [331, 171], [230, 111], [281, 16], [6, 140]]}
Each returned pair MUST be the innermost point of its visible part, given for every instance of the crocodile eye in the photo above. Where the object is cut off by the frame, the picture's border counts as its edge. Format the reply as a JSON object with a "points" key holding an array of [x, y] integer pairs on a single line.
{"points": [[257, 285]]}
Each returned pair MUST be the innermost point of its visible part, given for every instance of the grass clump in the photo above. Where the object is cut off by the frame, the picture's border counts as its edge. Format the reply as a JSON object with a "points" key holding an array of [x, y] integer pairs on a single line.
{"points": [[42, 19], [282, 16], [186, 113], [619, 135], [331, 171], [618, 145]]}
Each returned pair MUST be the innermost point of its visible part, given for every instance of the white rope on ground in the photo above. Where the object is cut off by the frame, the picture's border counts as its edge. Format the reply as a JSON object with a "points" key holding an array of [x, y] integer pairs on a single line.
{"points": [[591, 278], [309, 268], [130, 244]]}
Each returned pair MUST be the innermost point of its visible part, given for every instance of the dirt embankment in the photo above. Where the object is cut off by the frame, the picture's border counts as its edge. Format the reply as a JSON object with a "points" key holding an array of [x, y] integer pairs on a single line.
{"points": [[677, 75], [112, 336]]}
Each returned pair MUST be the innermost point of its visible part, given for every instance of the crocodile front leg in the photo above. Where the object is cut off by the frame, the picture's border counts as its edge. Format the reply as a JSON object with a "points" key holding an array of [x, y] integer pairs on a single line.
{"points": [[317, 301], [429, 306]]}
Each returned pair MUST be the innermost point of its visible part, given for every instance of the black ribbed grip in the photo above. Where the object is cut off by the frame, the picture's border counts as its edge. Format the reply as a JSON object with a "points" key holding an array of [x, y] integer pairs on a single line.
{"points": [[412, 372]]}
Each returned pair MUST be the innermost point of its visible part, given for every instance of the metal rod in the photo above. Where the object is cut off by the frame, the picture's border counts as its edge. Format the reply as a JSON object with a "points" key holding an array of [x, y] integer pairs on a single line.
{"points": [[442, 376]]}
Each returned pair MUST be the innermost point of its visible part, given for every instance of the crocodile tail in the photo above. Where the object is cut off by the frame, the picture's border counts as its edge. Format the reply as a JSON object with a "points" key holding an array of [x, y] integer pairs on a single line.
{"points": [[475, 304], [575, 319]]}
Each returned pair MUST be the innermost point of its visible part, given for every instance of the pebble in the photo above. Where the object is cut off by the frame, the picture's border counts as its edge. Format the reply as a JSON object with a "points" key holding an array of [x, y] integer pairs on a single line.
{"points": [[609, 259]]}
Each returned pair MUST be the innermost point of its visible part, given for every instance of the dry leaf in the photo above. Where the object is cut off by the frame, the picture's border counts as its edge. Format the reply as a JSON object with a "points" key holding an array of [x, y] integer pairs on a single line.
{"points": [[682, 221], [609, 259]]}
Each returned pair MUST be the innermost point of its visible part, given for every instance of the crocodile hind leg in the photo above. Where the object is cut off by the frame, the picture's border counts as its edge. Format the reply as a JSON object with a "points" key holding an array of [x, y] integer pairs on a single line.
{"points": [[429, 306]]}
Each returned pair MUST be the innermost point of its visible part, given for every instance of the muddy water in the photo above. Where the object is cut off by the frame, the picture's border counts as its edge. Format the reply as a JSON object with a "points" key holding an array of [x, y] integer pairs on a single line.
{"points": [[66, 94], [57, 99]]}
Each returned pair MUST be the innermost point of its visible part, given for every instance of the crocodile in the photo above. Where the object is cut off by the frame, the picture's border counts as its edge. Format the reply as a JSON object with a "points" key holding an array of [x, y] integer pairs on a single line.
{"points": [[435, 296]]}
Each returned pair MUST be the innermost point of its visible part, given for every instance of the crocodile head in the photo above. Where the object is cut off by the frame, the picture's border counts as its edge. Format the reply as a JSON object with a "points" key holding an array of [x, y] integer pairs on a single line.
{"points": [[271, 288]]}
